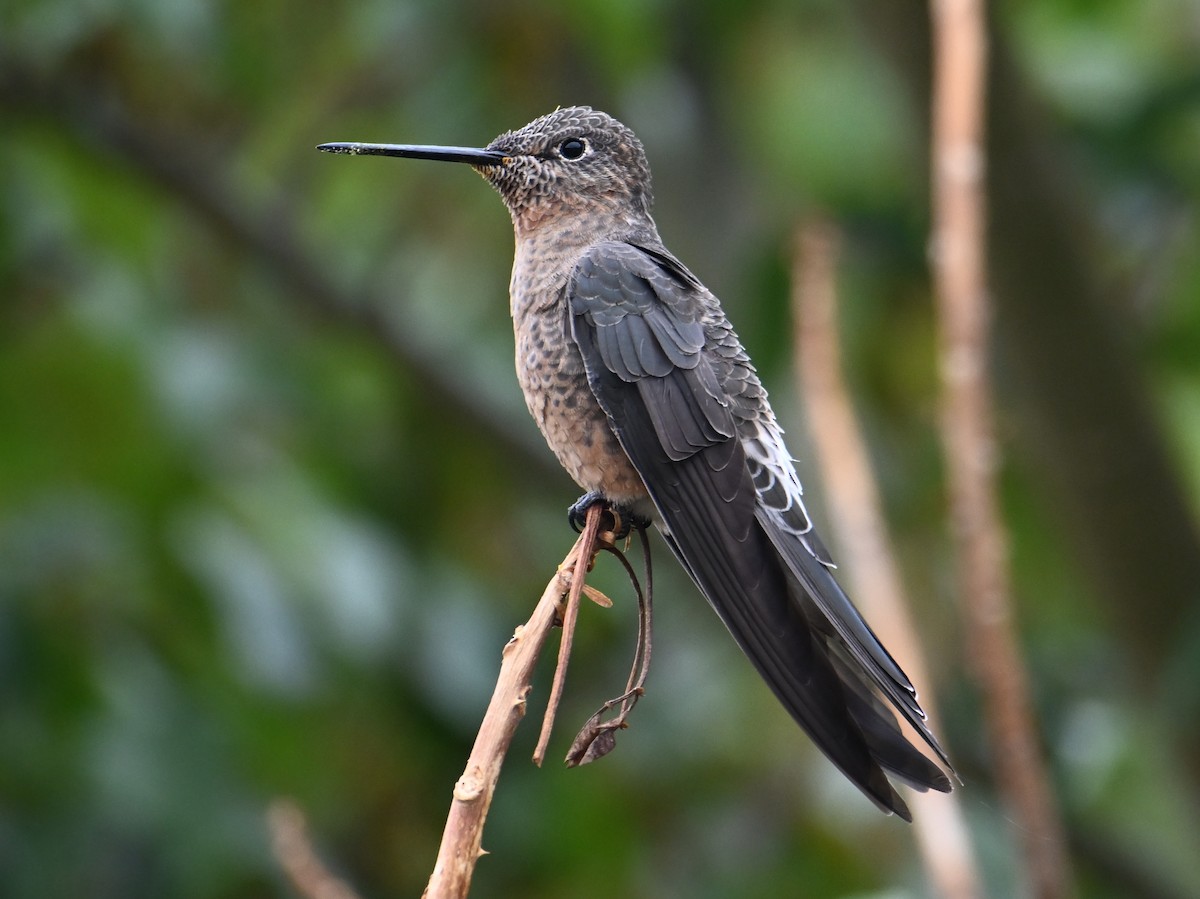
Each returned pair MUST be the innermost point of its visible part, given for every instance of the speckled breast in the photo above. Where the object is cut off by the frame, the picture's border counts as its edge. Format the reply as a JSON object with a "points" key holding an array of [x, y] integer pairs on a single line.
{"points": [[550, 371]]}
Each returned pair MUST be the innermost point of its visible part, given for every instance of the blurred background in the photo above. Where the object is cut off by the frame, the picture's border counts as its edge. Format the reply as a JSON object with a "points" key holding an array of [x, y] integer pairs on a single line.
{"points": [[270, 502]]}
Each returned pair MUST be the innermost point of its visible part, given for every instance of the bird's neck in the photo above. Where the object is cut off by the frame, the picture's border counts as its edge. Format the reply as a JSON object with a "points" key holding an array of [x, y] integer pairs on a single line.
{"points": [[550, 241], [579, 219]]}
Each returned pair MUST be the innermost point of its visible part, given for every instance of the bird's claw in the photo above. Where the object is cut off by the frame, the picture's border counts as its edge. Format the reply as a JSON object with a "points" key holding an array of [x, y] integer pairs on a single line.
{"points": [[577, 513], [623, 519]]}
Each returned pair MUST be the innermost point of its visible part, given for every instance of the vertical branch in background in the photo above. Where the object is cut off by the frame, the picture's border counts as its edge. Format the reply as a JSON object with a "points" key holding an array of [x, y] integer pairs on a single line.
{"points": [[958, 259], [293, 850], [858, 522]]}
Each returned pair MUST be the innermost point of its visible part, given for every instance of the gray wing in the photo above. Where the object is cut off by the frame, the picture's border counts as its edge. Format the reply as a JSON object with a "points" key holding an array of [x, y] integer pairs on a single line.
{"points": [[683, 400]]}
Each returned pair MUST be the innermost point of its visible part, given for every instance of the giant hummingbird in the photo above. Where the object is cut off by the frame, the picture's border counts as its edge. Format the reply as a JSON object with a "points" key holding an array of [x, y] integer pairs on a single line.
{"points": [[643, 391]]}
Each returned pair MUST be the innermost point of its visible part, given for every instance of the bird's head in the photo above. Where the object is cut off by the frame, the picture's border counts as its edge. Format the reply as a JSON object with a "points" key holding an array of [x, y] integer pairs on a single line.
{"points": [[574, 158], [573, 161]]}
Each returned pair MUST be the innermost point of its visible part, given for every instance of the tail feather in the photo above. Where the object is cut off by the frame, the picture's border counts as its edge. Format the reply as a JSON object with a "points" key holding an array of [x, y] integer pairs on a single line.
{"points": [[886, 742]]}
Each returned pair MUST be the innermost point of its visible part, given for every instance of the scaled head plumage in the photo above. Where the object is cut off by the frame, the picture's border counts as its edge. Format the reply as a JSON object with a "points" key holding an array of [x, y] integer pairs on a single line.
{"points": [[576, 156]]}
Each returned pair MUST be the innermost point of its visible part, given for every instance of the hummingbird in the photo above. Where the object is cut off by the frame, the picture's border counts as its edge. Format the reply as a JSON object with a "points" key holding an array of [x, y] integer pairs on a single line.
{"points": [[646, 396]]}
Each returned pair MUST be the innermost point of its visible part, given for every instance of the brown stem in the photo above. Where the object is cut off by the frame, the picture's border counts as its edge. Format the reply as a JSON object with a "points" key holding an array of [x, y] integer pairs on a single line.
{"points": [[958, 257], [293, 850], [587, 541], [597, 738], [1078, 400], [858, 520], [462, 838]]}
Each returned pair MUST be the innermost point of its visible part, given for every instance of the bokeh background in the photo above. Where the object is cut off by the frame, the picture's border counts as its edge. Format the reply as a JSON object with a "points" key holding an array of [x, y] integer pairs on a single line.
{"points": [[270, 503]]}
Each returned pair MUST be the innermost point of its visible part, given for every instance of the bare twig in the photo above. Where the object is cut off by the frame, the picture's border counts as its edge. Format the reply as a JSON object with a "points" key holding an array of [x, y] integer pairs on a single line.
{"points": [[597, 738], [462, 838], [854, 504], [461, 844], [293, 851], [570, 616], [960, 52]]}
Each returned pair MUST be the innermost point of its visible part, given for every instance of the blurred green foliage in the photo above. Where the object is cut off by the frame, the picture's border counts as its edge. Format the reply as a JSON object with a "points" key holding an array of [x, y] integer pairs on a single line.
{"points": [[270, 502]]}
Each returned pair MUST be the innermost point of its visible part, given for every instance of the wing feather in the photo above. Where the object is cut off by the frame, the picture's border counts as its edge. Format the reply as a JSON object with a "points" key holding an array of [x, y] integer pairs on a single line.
{"points": [[685, 405]]}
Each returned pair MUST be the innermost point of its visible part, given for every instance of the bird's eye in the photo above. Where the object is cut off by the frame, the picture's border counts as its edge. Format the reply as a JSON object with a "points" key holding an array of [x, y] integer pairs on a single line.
{"points": [[572, 148]]}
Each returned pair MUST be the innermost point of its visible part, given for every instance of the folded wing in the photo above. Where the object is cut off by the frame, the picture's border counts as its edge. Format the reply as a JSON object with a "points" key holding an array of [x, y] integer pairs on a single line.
{"points": [[687, 407]]}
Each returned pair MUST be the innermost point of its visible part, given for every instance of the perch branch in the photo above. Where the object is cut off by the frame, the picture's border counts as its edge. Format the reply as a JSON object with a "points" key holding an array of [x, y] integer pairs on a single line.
{"points": [[462, 838], [570, 616], [598, 736]]}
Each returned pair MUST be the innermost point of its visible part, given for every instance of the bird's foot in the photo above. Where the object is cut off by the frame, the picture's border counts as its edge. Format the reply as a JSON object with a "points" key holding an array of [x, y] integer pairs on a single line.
{"points": [[577, 513], [623, 518]]}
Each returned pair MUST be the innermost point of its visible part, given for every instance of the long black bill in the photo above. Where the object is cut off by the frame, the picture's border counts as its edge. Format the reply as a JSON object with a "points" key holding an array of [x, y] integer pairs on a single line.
{"points": [[417, 151]]}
